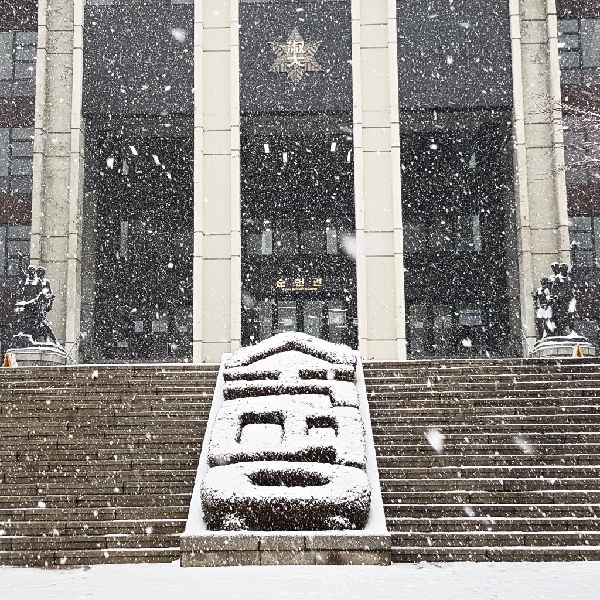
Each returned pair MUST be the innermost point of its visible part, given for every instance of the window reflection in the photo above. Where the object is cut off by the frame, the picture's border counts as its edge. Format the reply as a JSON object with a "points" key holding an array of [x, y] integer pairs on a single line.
{"points": [[312, 242]]}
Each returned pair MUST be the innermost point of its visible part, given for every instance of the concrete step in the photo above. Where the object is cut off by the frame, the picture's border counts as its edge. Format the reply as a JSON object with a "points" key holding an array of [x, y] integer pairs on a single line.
{"points": [[497, 554], [478, 484], [488, 523], [516, 475], [78, 557], [485, 539], [490, 472], [33, 543], [92, 528], [491, 507]]}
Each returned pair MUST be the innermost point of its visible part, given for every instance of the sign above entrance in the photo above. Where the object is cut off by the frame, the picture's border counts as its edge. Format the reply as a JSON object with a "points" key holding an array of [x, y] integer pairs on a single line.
{"points": [[296, 57], [299, 284]]}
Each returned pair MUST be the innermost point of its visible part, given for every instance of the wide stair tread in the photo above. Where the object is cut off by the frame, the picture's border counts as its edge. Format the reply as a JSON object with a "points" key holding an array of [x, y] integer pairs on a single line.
{"points": [[489, 459], [97, 463]]}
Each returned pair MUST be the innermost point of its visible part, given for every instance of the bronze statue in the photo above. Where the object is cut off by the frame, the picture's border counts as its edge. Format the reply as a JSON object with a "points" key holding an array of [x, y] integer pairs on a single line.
{"points": [[542, 308], [563, 301], [555, 303], [36, 301]]}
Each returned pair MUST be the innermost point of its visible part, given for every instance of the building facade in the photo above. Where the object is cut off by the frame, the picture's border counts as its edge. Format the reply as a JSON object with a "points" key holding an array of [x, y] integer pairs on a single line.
{"points": [[388, 174]]}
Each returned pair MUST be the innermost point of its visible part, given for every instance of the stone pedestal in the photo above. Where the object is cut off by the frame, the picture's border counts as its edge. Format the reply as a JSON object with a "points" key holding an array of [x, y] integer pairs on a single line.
{"points": [[39, 355], [221, 548], [562, 346]]}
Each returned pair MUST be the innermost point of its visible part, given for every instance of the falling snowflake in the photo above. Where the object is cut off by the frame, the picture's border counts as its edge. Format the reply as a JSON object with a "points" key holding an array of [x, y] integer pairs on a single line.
{"points": [[436, 439]]}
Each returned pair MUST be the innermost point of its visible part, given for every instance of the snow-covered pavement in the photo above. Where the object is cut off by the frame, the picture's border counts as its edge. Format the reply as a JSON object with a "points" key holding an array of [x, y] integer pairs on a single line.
{"points": [[449, 581]]}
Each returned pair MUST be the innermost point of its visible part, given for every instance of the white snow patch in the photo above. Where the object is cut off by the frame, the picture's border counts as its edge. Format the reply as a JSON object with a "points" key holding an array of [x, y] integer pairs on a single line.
{"points": [[292, 340], [525, 446], [179, 34], [436, 439], [423, 581], [290, 419]]}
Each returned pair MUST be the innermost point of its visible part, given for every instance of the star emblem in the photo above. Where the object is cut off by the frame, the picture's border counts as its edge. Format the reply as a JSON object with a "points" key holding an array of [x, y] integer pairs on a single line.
{"points": [[296, 57]]}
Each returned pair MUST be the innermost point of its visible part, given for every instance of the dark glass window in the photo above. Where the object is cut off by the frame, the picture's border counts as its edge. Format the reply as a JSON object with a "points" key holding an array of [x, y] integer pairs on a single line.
{"points": [[286, 242], [579, 50], [585, 237], [260, 243], [312, 242], [16, 159], [17, 63], [13, 239]]}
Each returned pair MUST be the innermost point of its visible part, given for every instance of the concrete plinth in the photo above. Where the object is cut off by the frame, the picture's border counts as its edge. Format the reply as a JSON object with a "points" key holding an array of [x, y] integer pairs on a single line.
{"points": [[564, 346], [219, 549], [39, 355]]}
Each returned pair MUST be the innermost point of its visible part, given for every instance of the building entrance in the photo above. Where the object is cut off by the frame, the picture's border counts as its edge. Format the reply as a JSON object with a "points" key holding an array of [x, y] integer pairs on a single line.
{"points": [[324, 319], [298, 260], [142, 255], [459, 239]]}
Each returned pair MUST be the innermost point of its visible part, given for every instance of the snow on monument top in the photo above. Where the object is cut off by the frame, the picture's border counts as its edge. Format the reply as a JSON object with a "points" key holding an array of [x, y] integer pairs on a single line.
{"points": [[336, 354]]}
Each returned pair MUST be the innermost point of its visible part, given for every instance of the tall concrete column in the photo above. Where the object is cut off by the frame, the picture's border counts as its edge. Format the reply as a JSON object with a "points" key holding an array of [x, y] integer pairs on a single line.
{"points": [[542, 220], [379, 243], [217, 255], [58, 161]]}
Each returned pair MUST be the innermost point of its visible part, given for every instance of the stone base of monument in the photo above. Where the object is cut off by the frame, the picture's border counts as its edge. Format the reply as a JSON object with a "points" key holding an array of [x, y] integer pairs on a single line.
{"points": [[38, 354], [562, 346], [223, 548], [202, 546]]}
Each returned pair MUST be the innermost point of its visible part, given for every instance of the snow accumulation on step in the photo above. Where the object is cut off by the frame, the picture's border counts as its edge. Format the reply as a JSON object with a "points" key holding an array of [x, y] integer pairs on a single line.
{"points": [[341, 393], [312, 496], [286, 451], [300, 419]]}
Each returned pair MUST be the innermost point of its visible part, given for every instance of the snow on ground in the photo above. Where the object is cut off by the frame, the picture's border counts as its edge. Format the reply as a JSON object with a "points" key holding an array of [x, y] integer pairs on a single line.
{"points": [[447, 581]]}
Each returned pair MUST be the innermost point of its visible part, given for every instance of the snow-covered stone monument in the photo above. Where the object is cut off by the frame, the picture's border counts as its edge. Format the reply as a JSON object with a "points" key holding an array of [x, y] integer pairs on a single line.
{"points": [[288, 473]]}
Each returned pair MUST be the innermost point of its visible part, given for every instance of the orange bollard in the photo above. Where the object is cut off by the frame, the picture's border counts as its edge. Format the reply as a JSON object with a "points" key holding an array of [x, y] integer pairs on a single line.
{"points": [[578, 352], [7, 361]]}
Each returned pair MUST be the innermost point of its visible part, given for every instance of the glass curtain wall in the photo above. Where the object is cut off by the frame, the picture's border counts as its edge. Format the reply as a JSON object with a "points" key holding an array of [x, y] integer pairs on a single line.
{"points": [[18, 47], [457, 178], [138, 196], [579, 53], [298, 224]]}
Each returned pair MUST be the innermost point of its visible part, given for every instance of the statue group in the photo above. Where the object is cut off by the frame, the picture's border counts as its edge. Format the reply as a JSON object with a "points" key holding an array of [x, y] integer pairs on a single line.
{"points": [[555, 303], [34, 305]]}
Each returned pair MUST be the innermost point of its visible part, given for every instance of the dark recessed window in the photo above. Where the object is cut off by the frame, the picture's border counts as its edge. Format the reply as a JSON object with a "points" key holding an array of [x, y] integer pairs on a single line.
{"points": [[13, 239], [260, 244], [16, 160], [585, 233], [286, 242], [17, 63], [312, 242]]}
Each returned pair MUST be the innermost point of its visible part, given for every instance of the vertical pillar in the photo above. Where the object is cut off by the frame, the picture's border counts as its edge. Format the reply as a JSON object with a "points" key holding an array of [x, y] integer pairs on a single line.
{"points": [[542, 220], [380, 267], [217, 262], [58, 161]]}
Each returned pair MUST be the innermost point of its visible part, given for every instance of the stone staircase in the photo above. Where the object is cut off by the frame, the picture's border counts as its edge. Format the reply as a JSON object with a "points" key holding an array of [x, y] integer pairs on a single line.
{"points": [[489, 460], [97, 464], [479, 460]]}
